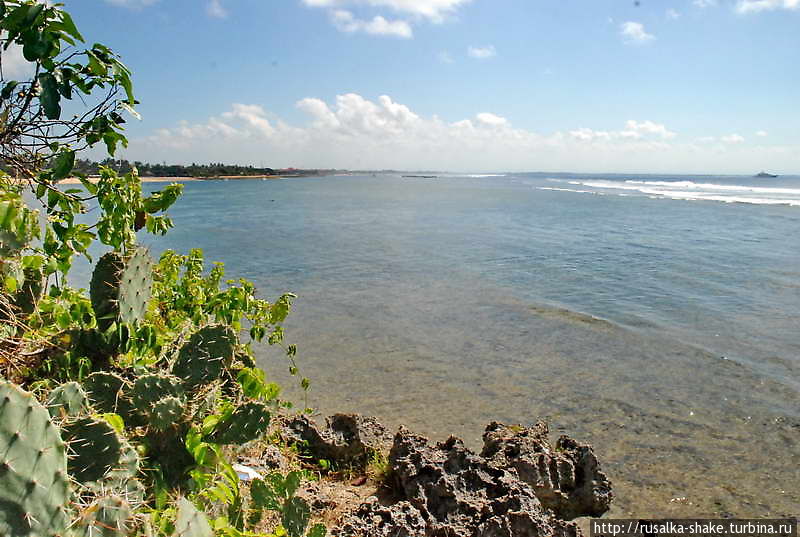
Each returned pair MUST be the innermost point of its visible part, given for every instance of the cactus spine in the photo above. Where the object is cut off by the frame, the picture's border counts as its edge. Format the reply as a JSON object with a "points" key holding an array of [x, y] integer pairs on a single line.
{"points": [[121, 287], [34, 490], [201, 360], [95, 448], [246, 423], [67, 400], [191, 522]]}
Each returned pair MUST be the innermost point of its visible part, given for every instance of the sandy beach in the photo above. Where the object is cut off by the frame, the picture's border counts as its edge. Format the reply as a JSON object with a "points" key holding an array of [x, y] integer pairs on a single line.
{"points": [[76, 181]]}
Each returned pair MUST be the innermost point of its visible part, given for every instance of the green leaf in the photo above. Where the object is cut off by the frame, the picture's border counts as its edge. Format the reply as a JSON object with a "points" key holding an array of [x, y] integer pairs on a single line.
{"points": [[32, 14], [69, 26], [8, 89], [63, 164], [35, 46], [128, 108], [90, 187], [50, 97], [318, 530]]}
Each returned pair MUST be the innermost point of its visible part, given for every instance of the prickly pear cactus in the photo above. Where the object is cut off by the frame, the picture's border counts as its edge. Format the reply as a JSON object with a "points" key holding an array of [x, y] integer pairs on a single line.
{"points": [[67, 400], [95, 448], [247, 423], [191, 522], [166, 413], [122, 479], [34, 491], [29, 293], [121, 287], [150, 388], [202, 358], [106, 392], [107, 516], [136, 282]]}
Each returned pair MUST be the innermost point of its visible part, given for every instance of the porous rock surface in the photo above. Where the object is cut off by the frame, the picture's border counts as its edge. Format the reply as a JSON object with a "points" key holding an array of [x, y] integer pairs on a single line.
{"points": [[566, 479], [449, 491], [347, 439]]}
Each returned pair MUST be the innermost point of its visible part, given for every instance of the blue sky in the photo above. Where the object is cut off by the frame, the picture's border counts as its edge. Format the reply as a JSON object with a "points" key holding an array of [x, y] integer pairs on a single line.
{"points": [[695, 86]]}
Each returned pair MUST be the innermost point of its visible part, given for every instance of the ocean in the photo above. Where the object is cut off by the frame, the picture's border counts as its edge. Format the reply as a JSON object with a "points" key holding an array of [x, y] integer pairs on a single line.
{"points": [[655, 317]]}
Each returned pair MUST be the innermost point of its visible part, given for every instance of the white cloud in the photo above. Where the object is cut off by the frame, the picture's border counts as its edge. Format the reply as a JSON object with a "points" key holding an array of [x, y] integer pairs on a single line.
{"points": [[673, 15], [445, 57], [588, 135], [754, 6], [491, 120], [359, 133], [347, 22], [434, 10], [732, 139], [705, 3], [482, 53], [215, 9], [634, 32], [14, 64], [634, 130], [761, 134]]}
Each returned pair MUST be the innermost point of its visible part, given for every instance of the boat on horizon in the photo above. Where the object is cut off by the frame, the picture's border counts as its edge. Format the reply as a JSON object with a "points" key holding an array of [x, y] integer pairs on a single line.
{"points": [[765, 175]]}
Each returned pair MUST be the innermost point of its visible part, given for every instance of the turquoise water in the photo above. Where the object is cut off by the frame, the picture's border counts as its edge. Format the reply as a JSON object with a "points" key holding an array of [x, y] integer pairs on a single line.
{"points": [[655, 316]]}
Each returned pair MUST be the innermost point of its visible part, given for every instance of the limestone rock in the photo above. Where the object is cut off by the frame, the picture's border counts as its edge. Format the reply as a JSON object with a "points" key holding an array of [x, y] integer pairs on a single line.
{"points": [[348, 439], [566, 479], [375, 520]]}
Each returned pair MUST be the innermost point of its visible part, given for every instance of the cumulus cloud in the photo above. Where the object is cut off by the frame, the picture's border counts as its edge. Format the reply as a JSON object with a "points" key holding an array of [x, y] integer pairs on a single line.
{"points": [[634, 130], [355, 132], [761, 134], [634, 32], [732, 139], [482, 53], [345, 21], [755, 6], [434, 10], [492, 120]]}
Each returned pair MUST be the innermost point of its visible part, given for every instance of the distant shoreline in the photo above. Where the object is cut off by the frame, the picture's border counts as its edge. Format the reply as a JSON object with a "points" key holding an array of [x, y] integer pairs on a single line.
{"points": [[76, 181]]}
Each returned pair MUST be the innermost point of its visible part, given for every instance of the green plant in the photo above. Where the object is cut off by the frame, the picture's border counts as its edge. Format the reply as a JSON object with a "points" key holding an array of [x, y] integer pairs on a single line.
{"points": [[145, 378], [34, 488]]}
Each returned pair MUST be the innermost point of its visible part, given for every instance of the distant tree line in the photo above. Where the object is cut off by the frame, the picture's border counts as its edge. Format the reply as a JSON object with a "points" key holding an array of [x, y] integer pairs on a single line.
{"points": [[214, 169]]}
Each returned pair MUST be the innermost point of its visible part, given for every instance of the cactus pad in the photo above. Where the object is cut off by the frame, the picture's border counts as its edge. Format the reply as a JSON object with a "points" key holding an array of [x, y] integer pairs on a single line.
{"points": [[202, 358], [107, 516], [150, 388], [191, 522], [29, 294], [94, 446], [165, 413], [34, 490], [247, 423], [67, 400], [121, 287], [106, 393]]}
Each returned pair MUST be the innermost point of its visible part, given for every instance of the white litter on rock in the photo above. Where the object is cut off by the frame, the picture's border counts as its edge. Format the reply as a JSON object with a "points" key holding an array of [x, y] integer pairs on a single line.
{"points": [[246, 473]]}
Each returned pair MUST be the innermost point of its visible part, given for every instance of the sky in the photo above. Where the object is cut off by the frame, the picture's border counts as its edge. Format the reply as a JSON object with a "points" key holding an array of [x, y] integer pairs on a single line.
{"points": [[659, 86]]}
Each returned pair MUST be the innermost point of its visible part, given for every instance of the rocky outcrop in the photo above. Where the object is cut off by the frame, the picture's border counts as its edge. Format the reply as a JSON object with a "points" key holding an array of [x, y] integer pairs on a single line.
{"points": [[376, 520], [347, 440], [456, 493], [566, 479]]}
